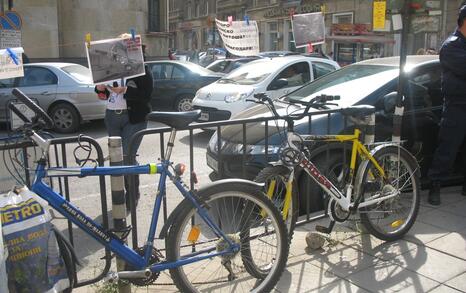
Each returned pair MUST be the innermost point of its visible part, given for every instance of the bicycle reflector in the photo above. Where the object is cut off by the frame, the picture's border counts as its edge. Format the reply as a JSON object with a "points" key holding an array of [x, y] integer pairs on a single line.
{"points": [[194, 234], [396, 224], [179, 169]]}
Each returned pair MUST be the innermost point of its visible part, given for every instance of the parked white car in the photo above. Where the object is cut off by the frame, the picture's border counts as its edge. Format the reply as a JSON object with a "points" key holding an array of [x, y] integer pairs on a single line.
{"points": [[274, 76]]}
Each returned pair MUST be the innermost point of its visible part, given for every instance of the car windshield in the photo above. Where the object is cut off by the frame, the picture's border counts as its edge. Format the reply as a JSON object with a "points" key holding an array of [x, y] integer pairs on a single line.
{"points": [[351, 83], [250, 73], [80, 73], [218, 66], [197, 69]]}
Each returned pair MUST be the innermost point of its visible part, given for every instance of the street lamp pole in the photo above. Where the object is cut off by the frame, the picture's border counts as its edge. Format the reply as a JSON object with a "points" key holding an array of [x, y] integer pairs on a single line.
{"points": [[399, 109]]}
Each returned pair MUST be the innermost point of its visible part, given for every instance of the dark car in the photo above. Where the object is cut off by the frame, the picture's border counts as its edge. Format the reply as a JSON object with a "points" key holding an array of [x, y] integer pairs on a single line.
{"points": [[228, 65], [176, 83], [372, 82]]}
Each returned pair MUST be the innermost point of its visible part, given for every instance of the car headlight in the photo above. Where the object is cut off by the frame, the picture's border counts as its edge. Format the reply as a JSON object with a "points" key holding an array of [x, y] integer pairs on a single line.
{"points": [[213, 143], [197, 96], [238, 97]]}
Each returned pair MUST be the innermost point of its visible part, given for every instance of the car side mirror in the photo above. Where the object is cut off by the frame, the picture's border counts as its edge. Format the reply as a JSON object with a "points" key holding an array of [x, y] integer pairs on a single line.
{"points": [[389, 102], [278, 84]]}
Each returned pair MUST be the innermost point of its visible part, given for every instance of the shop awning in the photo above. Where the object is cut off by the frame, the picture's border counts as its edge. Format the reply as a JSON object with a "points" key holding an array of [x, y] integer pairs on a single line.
{"points": [[361, 39]]}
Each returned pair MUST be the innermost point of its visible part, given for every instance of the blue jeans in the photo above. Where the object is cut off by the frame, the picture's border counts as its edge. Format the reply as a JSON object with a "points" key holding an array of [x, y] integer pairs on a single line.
{"points": [[119, 125]]}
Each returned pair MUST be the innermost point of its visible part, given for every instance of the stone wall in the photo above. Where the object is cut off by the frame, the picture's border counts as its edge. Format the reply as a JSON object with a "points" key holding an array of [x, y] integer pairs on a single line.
{"points": [[39, 28]]}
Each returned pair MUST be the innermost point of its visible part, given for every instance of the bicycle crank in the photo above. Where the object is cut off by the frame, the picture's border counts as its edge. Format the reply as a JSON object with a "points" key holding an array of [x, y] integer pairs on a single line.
{"points": [[336, 212], [149, 277]]}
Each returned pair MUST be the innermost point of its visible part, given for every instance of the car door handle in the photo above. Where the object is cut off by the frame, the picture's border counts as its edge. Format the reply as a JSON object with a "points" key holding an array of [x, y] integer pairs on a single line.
{"points": [[45, 93]]}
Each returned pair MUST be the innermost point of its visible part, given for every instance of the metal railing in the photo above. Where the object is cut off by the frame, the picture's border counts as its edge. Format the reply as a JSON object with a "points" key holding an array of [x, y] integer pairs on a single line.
{"points": [[58, 158], [218, 125]]}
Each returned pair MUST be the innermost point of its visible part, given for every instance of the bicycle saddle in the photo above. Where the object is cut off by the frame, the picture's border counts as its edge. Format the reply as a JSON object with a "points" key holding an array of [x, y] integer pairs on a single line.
{"points": [[177, 120], [358, 111]]}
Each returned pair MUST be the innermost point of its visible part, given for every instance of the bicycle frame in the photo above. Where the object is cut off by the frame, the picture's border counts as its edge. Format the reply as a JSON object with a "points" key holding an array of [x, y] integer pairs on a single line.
{"points": [[110, 240], [344, 200]]}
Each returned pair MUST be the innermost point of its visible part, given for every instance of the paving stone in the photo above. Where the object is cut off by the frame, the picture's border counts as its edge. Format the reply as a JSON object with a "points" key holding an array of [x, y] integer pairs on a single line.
{"points": [[338, 235], [340, 286], [301, 276], [379, 248], [431, 263], [422, 233], [389, 277], [458, 208], [458, 282], [453, 244], [444, 289], [445, 220], [340, 259]]}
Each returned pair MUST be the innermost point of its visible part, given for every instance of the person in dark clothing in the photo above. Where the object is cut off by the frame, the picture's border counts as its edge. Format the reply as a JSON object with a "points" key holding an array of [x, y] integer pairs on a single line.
{"points": [[127, 109], [453, 124]]}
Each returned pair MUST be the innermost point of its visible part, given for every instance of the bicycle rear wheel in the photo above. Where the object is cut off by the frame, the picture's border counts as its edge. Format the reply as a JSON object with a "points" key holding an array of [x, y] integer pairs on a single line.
{"points": [[249, 219], [390, 219], [275, 179]]}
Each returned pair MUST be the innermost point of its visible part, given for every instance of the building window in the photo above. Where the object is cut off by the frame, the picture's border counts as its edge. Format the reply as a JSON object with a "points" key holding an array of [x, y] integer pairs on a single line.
{"points": [[172, 4], [273, 36], [197, 10], [346, 17], [154, 15], [189, 12]]}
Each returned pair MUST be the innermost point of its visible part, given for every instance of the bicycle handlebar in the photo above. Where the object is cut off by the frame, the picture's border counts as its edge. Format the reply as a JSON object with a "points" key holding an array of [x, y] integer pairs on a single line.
{"points": [[316, 102]]}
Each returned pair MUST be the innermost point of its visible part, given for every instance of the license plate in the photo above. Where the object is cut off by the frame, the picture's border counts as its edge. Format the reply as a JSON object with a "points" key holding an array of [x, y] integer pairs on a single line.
{"points": [[204, 116], [212, 162]]}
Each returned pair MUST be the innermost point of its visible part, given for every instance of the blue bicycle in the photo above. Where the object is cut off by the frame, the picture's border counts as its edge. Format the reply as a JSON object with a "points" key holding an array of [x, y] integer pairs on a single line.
{"points": [[227, 236]]}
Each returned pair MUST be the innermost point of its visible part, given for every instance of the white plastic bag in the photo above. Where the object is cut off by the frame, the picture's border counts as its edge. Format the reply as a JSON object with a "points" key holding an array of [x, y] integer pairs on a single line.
{"points": [[34, 263]]}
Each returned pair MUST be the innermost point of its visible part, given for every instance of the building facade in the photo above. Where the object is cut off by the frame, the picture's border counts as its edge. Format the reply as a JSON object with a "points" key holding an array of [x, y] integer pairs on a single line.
{"points": [[56, 29], [350, 36]]}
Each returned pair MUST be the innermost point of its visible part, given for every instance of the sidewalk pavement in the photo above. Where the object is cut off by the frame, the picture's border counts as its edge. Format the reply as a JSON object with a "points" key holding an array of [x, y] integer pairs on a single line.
{"points": [[430, 258]]}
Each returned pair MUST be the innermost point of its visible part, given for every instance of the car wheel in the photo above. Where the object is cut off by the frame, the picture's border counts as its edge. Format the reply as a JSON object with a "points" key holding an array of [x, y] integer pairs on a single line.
{"points": [[65, 118], [184, 103]]}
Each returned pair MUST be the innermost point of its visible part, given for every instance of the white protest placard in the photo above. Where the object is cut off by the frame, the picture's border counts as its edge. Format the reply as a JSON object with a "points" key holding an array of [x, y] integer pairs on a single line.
{"points": [[114, 59], [308, 29], [241, 38], [8, 67]]}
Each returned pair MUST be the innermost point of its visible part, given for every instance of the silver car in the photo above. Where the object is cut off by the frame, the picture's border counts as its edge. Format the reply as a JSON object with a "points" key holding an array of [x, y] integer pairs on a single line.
{"points": [[64, 90]]}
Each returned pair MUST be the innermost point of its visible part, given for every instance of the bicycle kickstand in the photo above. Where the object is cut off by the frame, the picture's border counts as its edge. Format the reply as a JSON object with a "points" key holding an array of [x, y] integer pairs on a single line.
{"points": [[326, 230]]}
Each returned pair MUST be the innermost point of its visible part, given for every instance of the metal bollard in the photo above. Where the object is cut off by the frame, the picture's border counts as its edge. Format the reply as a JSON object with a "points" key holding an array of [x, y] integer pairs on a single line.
{"points": [[369, 135], [117, 184], [397, 119]]}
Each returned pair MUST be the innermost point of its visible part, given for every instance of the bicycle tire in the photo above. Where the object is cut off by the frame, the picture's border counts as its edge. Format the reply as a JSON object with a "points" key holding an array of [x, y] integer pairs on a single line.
{"points": [[243, 194], [280, 174], [401, 226]]}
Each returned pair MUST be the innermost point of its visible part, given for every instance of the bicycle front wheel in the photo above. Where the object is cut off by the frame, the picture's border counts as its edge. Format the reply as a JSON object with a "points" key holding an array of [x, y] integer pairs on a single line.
{"points": [[247, 218], [286, 200], [390, 219]]}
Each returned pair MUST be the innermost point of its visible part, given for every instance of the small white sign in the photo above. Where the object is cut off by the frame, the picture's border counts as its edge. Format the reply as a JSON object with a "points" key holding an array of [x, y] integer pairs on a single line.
{"points": [[10, 38], [397, 22], [15, 121], [8, 67], [239, 37]]}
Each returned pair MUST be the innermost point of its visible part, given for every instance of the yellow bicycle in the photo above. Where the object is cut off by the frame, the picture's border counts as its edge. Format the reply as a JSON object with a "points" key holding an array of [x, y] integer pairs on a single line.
{"points": [[382, 186]]}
